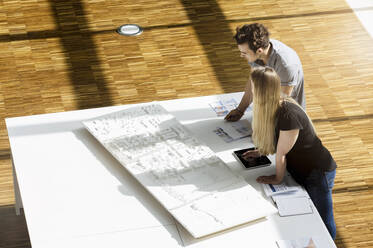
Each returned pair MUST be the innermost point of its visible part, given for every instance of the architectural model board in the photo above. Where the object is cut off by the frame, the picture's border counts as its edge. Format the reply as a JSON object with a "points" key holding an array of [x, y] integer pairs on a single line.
{"points": [[184, 175]]}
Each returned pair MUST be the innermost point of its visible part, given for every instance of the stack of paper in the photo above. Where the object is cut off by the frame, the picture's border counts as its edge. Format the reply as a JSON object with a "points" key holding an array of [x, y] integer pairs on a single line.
{"points": [[293, 206], [271, 190], [223, 106], [232, 131], [290, 198], [305, 242]]}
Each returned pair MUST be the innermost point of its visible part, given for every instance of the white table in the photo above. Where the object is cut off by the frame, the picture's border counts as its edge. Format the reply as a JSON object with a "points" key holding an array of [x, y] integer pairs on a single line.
{"points": [[75, 194]]}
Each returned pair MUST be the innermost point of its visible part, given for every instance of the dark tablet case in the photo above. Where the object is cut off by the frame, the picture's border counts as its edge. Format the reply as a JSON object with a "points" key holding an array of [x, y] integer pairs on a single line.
{"points": [[251, 163]]}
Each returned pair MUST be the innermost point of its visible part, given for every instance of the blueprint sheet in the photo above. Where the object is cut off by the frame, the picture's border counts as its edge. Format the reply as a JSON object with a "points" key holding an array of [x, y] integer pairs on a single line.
{"points": [[184, 175]]}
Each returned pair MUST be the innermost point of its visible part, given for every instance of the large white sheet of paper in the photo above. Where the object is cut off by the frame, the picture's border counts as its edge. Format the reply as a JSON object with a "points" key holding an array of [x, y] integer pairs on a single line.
{"points": [[183, 174]]}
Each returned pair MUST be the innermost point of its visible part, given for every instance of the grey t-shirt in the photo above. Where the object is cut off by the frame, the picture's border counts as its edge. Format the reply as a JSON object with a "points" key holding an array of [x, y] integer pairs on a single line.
{"points": [[285, 61]]}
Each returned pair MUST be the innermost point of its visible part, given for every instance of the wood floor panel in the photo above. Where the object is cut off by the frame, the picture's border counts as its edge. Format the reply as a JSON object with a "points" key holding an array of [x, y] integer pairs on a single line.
{"points": [[64, 55]]}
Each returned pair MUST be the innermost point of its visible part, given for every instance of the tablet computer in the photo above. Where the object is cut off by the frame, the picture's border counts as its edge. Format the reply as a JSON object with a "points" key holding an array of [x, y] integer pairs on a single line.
{"points": [[252, 162]]}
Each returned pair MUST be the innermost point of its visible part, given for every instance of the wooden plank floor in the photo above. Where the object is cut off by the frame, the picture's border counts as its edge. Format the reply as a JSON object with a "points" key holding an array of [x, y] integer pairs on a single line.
{"points": [[64, 55]]}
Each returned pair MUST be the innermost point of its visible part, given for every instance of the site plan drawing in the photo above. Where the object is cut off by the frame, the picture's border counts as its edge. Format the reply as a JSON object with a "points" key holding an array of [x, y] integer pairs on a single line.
{"points": [[184, 175]]}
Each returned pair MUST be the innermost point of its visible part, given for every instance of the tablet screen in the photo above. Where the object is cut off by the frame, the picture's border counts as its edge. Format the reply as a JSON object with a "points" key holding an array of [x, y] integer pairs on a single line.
{"points": [[253, 162]]}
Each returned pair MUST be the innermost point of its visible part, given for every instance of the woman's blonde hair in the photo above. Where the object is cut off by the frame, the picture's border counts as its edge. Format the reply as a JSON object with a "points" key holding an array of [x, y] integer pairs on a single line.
{"points": [[266, 99]]}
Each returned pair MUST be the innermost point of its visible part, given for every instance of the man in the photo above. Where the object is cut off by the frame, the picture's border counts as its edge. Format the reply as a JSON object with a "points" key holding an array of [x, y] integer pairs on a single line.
{"points": [[256, 47]]}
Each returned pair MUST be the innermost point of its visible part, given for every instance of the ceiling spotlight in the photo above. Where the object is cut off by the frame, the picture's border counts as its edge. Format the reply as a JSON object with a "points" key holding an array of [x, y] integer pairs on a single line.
{"points": [[129, 30]]}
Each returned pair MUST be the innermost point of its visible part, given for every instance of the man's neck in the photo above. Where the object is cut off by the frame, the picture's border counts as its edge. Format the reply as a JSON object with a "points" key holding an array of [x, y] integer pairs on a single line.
{"points": [[267, 54]]}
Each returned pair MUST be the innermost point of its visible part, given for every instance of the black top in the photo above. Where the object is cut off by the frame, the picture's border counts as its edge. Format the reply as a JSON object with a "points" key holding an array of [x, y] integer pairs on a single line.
{"points": [[308, 152]]}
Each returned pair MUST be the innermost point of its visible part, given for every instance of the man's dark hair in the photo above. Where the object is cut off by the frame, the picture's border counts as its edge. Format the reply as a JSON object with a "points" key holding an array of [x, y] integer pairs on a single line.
{"points": [[256, 35]]}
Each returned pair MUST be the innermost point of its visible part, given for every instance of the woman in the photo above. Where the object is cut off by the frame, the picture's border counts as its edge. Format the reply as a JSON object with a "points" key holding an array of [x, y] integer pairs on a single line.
{"points": [[281, 126]]}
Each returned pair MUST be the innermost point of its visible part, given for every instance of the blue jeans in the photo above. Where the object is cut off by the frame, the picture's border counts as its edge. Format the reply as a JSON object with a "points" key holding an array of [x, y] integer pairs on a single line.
{"points": [[319, 186]]}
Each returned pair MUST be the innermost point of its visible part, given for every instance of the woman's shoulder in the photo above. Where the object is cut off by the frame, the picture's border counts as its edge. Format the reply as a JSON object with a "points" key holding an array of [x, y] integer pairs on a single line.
{"points": [[287, 106], [290, 114]]}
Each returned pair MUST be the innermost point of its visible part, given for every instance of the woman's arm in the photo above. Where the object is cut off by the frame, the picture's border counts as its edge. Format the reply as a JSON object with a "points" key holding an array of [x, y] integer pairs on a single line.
{"points": [[285, 142]]}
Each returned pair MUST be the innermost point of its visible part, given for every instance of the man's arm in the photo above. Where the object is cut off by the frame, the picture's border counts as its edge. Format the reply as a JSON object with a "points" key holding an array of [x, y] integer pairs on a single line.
{"points": [[285, 142], [286, 90], [246, 100], [289, 77]]}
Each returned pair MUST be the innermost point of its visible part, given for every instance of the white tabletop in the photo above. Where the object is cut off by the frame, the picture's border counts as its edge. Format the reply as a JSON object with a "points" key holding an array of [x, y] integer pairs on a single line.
{"points": [[75, 193]]}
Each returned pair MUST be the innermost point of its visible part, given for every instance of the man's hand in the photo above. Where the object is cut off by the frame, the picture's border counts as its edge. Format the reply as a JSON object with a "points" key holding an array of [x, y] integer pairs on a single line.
{"points": [[234, 115]]}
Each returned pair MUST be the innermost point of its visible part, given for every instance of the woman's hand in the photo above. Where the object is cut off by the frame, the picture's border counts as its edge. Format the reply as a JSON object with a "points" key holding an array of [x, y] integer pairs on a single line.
{"points": [[269, 179], [251, 154]]}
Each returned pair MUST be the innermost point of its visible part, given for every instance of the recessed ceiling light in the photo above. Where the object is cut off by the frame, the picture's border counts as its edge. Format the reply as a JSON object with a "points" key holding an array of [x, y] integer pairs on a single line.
{"points": [[129, 30]]}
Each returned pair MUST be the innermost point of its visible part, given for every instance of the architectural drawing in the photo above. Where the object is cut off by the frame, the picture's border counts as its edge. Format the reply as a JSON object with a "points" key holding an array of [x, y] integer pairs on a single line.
{"points": [[183, 174]]}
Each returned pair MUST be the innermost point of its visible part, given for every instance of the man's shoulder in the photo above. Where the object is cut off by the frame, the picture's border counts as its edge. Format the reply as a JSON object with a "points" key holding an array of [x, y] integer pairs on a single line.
{"points": [[279, 46], [283, 55]]}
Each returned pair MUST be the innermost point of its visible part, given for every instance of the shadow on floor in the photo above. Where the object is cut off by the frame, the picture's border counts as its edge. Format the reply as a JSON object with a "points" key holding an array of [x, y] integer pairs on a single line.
{"points": [[86, 74], [13, 229]]}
